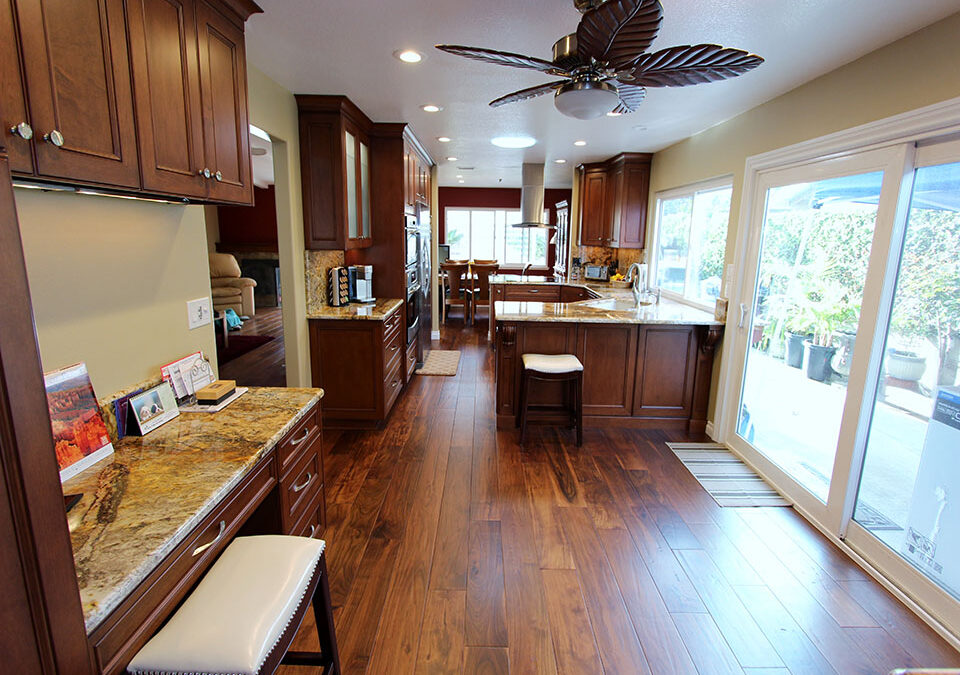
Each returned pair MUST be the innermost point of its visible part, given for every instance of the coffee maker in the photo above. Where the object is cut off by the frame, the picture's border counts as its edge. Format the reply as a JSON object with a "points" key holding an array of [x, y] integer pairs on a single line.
{"points": [[361, 283]]}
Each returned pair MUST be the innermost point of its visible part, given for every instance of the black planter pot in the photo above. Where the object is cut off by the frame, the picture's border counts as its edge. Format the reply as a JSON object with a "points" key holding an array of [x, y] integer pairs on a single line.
{"points": [[817, 360], [795, 348]]}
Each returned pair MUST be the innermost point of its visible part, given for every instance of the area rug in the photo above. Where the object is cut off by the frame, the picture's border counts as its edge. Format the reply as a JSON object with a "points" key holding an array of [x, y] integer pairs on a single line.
{"points": [[724, 475], [238, 346], [440, 362]]}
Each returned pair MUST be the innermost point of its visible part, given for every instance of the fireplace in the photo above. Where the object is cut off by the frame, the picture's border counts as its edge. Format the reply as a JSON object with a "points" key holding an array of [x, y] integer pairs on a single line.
{"points": [[266, 272]]}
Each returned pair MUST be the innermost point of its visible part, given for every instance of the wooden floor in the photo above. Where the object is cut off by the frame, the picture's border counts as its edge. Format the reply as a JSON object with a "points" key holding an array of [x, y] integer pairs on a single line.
{"points": [[452, 550], [264, 366]]}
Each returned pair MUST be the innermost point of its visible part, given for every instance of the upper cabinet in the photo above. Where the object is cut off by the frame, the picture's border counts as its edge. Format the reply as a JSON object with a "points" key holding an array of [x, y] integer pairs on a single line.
{"points": [[416, 189], [144, 96], [335, 168], [613, 201]]}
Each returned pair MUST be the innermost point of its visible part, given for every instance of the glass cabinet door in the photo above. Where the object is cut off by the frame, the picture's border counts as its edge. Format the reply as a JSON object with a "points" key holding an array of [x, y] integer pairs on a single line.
{"points": [[353, 230], [365, 190]]}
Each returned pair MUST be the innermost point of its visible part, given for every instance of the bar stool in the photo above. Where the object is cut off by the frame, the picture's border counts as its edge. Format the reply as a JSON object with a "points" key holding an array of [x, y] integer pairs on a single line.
{"points": [[552, 368], [243, 615]]}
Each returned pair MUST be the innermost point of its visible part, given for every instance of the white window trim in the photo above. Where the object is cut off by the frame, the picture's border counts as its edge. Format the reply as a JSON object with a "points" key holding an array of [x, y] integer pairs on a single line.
{"points": [[493, 209], [674, 193]]}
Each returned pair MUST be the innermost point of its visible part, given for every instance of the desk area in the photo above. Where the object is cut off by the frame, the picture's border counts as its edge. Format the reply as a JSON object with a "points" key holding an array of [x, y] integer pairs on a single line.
{"points": [[156, 514]]}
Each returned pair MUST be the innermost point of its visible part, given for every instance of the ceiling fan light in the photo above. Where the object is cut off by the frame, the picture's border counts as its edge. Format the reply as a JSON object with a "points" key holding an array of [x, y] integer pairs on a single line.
{"points": [[586, 99]]}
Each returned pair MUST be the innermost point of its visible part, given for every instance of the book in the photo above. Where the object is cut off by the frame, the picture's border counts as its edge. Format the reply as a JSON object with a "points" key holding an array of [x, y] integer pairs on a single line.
{"points": [[80, 435]]}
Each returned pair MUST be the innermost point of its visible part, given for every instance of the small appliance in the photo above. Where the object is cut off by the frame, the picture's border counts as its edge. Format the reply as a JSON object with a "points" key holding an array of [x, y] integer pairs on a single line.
{"points": [[596, 272], [338, 287], [361, 283]]}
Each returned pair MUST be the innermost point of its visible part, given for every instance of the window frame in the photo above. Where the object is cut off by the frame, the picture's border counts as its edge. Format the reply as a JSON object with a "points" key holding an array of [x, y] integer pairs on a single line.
{"points": [[471, 209], [689, 190]]}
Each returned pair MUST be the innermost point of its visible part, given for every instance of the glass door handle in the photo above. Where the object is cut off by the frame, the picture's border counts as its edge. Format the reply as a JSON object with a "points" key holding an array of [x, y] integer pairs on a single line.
{"points": [[743, 315]]}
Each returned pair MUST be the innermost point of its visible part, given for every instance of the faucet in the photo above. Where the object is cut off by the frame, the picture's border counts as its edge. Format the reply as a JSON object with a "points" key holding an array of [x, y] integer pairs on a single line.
{"points": [[633, 276]]}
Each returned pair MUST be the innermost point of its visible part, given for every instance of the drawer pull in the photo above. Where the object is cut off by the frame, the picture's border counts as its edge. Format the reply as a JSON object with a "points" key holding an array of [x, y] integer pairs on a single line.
{"points": [[533, 290], [309, 479], [313, 531], [200, 549], [302, 437], [394, 348], [396, 383]]}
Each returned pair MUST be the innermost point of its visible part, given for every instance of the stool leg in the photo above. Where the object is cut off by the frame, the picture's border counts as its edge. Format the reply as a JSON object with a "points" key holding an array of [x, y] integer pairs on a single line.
{"points": [[579, 386], [323, 615], [524, 395]]}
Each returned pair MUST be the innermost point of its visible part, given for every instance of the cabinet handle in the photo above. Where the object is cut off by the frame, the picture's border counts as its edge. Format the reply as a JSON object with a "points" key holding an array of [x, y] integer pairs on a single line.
{"points": [[200, 549], [55, 138], [302, 437], [23, 130], [298, 488], [205, 172], [313, 530], [394, 348], [533, 290], [218, 176], [396, 383]]}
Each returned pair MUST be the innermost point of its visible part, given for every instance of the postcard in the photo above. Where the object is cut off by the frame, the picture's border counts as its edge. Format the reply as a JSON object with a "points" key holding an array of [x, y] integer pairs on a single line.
{"points": [[153, 408], [80, 435]]}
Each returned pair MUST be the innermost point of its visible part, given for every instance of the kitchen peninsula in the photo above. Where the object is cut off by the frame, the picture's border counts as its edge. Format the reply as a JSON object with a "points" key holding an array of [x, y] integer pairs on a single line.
{"points": [[648, 366]]}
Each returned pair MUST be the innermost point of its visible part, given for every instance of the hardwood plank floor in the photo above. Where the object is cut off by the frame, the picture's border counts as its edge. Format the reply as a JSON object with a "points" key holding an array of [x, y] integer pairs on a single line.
{"points": [[453, 550], [266, 365]]}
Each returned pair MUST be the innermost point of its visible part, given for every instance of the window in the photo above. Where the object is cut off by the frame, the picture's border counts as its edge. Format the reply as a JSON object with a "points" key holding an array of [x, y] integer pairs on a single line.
{"points": [[691, 241], [486, 234]]}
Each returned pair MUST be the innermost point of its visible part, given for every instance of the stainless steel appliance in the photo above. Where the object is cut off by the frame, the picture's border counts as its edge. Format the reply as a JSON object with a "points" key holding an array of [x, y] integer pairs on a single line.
{"points": [[414, 302], [361, 283], [412, 242], [427, 283], [596, 272]]}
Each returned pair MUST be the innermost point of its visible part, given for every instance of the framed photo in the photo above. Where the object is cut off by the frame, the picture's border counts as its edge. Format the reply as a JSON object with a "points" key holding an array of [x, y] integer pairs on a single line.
{"points": [[80, 435], [153, 408]]}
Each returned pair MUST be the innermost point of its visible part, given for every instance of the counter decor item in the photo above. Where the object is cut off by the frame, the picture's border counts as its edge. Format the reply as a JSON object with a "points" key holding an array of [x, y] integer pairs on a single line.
{"points": [[152, 408], [79, 432], [338, 287], [216, 393]]}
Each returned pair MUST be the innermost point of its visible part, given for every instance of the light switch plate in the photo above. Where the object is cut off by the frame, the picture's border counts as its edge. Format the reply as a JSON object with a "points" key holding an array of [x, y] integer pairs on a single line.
{"points": [[198, 313]]}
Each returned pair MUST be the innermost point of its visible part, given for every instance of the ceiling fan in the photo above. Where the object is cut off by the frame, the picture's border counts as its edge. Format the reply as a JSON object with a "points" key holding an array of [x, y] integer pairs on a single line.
{"points": [[606, 66]]}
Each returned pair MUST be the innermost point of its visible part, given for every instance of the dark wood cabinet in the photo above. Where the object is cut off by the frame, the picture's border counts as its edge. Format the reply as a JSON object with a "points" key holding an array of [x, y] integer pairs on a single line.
{"points": [[360, 366], [74, 57], [335, 168], [608, 353], [16, 132], [666, 365], [613, 202]]}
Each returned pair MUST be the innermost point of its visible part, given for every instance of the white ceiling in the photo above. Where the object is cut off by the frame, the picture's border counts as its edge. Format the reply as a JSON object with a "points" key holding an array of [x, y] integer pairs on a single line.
{"points": [[346, 47], [262, 163]]}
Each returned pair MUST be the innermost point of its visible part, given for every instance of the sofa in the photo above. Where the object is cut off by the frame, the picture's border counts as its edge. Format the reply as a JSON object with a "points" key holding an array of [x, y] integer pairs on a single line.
{"points": [[229, 289]]}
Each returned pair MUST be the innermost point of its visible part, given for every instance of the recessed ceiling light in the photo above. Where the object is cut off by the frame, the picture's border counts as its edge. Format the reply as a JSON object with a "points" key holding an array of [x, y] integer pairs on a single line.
{"points": [[513, 142], [443, 139], [451, 159], [579, 144], [462, 181], [459, 175], [613, 113], [408, 55], [430, 107], [560, 161], [639, 127]]}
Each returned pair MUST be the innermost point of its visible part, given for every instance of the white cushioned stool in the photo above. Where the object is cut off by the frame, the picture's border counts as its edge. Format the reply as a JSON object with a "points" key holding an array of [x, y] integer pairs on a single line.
{"points": [[243, 615], [552, 368]]}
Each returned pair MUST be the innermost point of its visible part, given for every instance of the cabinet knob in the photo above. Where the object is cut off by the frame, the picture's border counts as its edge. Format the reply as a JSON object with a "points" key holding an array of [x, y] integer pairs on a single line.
{"points": [[205, 172], [23, 130], [218, 176], [55, 138]]}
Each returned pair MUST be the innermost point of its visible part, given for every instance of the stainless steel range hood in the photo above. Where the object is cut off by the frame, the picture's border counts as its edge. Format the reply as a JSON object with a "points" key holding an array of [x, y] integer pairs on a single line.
{"points": [[531, 198]]}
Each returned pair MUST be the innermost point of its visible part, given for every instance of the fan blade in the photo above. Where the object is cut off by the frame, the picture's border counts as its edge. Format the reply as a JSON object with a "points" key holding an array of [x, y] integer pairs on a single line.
{"points": [[685, 65], [619, 31], [631, 97], [503, 58], [524, 94]]}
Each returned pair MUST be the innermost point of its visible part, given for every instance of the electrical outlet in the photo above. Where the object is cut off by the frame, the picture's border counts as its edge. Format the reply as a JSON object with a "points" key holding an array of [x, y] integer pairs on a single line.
{"points": [[198, 313]]}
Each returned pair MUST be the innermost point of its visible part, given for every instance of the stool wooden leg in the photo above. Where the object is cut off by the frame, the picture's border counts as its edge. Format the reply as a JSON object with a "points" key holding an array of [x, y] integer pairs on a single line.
{"points": [[579, 406], [524, 395], [323, 615]]}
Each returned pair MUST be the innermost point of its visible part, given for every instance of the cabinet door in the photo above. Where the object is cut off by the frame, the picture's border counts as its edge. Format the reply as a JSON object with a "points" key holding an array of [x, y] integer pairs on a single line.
{"points": [[593, 213], [223, 92], [633, 206], [614, 207], [13, 99], [608, 354], [163, 57], [364, 158], [322, 172], [78, 82], [666, 364]]}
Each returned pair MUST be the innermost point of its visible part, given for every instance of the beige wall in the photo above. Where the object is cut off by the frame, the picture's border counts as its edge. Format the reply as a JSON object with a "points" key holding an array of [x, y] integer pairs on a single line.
{"points": [[110, 279], [274, 109], [911, 73]]}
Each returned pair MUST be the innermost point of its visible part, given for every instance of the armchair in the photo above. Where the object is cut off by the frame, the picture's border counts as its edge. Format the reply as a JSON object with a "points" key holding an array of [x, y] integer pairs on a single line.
{"points": [[229, 289]]}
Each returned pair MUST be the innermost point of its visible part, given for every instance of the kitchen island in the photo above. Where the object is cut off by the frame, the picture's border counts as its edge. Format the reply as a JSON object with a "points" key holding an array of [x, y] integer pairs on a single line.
{"points": [[648, 366]]}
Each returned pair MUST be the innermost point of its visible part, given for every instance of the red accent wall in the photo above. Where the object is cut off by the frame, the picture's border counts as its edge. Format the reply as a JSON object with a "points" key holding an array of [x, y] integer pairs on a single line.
{"points": [[246, 225], [495, 198]]}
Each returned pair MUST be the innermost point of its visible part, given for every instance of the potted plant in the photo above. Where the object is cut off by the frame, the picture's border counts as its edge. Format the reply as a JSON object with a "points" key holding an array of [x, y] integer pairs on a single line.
{"points": [[830, 309], [905, 365], [799, 330]]}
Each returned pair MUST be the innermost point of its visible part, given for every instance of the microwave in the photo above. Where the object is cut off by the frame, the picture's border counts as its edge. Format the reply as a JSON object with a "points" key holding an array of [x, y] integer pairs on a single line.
{"points": [[596, 272]]}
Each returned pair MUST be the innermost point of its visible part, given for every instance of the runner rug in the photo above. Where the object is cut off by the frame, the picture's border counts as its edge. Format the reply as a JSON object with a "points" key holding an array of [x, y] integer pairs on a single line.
{"points": [[724, 475]]}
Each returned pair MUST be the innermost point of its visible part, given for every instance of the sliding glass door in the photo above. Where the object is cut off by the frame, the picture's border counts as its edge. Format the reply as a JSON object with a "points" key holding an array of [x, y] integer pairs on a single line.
{"points": [[847, 354]]}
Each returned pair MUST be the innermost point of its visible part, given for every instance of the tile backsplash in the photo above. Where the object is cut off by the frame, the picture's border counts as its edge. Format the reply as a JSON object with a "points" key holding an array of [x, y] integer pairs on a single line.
{"points": [[601, 255]]}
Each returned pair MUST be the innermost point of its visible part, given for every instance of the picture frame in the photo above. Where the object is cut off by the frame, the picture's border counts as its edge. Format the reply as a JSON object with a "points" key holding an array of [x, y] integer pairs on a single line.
{"points": [[152, 408]]}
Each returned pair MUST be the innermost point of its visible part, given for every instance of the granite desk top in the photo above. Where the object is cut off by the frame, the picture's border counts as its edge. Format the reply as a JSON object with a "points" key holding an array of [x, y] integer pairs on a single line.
{"points": [[355, 312], [142, 501]]}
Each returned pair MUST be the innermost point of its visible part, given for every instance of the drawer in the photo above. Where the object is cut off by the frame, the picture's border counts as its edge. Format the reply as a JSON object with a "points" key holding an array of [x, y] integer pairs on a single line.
{"points": [[533, 293], [140, 615], [300, 485], [391, 324], [314, 520], [302, 435], [392, 385], [392, 348], [411, 359]]}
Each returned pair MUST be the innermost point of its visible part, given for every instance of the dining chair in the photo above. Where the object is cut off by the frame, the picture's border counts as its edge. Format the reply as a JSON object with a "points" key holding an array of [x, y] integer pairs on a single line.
{"points": [[458, 289], [481, 288]]}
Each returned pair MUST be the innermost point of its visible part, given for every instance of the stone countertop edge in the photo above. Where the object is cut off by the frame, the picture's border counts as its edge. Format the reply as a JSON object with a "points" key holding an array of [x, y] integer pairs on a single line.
{"points": [[381, 311], [94, 616]]}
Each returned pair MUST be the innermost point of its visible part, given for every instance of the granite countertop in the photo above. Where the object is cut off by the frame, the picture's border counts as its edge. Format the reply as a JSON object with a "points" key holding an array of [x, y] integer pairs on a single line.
{"points": [[142, 501], [356, 312], [615, 305]]}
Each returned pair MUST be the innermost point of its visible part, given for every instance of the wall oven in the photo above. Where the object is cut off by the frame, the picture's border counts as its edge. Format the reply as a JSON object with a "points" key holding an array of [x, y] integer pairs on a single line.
{"points": [[414, 302], [412, 242]]}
